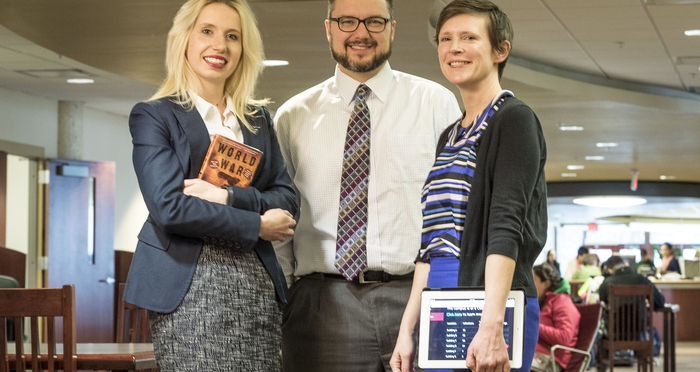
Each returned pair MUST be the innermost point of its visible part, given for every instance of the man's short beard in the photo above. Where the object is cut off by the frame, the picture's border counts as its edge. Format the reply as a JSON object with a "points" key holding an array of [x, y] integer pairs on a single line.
{"points": [[363, 66]]}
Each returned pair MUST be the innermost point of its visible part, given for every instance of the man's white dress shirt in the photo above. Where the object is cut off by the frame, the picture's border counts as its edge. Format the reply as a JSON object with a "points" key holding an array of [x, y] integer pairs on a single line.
{"points": [[407, 115]]}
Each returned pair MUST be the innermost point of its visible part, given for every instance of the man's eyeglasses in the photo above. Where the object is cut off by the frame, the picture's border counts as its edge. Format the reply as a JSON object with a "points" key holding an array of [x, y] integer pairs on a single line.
{"points": [[350, 24]]}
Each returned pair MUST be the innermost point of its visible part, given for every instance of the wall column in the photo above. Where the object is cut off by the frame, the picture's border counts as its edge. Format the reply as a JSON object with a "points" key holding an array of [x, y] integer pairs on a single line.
{"points": [[70, 130], [3, 197]]}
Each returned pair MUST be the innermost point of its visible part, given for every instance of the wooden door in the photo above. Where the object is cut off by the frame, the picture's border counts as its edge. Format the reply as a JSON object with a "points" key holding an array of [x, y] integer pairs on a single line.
{"points": [[80, 241]]}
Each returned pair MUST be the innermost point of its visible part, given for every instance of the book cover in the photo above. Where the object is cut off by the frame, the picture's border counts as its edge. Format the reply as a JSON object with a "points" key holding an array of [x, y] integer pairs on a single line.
{"points": [[229, 162]]}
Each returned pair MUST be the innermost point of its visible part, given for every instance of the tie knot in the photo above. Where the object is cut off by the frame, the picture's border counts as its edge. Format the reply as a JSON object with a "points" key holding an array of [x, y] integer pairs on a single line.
{"points": [[362, 92]]}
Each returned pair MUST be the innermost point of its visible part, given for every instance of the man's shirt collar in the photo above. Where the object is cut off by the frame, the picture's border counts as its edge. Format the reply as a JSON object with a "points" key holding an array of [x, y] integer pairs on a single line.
{"points": [[379, 84]]}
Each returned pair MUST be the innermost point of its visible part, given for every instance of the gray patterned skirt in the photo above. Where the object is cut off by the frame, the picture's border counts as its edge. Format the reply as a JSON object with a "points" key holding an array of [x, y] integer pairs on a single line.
{"points": [[229, 320]]}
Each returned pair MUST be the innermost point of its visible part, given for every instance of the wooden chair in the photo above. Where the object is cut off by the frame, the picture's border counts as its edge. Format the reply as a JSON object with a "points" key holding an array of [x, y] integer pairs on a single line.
{"points": [[9, 282], [136, 318], [36, 303], [587, 329], [629, 325]]}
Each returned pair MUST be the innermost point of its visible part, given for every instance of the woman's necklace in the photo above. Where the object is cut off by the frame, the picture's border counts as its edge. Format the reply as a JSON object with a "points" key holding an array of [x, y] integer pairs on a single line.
{"points": [[220, 102]]}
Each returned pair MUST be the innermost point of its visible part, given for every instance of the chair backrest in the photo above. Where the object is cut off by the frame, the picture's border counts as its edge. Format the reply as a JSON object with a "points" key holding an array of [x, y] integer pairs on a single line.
{"points": [[36, 303], [587, 329], [629, 315], [136, 320], [13, 264], [9, 282]]}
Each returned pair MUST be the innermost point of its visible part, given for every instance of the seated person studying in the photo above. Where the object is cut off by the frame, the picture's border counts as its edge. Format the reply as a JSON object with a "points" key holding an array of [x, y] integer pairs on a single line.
{"points": [[620, 274], [559, 320]]}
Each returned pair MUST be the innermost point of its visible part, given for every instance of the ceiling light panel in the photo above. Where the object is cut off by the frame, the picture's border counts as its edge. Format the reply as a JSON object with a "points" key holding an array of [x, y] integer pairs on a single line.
{"points": [[274, 63], [572, 128], [610, 201], [73, 73], [672, 2], [80, 81]]}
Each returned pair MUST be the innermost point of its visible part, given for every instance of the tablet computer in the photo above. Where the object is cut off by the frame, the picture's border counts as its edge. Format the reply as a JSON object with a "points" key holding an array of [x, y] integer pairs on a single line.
{"points": [[449, 319]]}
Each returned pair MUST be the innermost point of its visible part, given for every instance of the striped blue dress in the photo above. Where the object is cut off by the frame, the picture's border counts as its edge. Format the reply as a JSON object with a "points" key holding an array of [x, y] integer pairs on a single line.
{"points": [[444, 202], [446, 191]]}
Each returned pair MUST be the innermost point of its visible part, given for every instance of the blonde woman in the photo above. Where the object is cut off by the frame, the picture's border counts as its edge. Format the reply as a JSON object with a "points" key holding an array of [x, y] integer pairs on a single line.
{"points": [[204, 265]]}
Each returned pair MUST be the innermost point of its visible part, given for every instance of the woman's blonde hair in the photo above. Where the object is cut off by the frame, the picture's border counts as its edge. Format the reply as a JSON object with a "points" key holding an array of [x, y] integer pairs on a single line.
{"points": [[181, 80]]}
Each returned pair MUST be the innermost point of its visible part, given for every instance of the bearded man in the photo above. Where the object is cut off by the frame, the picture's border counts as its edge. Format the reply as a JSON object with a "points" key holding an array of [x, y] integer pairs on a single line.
{"points": [[358, 148]]}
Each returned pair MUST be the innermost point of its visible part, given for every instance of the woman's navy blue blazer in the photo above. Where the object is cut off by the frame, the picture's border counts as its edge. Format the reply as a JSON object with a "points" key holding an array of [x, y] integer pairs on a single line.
{"points": [[170, 144]]}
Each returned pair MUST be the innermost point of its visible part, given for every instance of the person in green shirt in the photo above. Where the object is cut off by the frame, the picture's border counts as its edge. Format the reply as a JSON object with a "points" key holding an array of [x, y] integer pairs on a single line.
{"points": [[589, 268]]}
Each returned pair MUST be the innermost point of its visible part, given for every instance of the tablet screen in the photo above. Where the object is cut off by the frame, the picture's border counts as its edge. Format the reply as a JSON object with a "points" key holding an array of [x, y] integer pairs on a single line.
{"points": [[453, 324], [449, 320]]}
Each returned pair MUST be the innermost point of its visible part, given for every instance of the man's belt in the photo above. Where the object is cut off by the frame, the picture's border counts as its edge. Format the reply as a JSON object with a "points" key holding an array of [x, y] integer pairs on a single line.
{"points": [[364, 277]]}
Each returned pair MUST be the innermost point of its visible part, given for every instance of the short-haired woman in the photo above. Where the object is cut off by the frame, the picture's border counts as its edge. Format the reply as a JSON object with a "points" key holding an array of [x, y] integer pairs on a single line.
{"points": [[484, 202]]}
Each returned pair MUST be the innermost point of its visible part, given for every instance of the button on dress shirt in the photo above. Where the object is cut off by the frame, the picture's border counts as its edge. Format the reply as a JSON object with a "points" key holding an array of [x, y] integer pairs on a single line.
{"points": [[408, 114]]}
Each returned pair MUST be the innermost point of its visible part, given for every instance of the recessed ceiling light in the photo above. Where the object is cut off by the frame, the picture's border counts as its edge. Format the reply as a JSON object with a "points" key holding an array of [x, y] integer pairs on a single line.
{"points": [[668, 177], [274, 63], [595, 157], [570, 128], [568, 174], [80, 81], [64, 73], [692, 33], [606, 144], [610, 201], [575, 167]]}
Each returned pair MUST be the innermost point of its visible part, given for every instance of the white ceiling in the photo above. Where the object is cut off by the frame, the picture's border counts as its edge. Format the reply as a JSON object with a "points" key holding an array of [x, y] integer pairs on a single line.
{"points": [[622, 69], [629, 40]]}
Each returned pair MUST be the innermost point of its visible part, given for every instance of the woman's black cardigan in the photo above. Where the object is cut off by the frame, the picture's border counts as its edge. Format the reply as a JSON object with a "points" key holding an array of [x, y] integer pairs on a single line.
{"points": [[507, 210]]}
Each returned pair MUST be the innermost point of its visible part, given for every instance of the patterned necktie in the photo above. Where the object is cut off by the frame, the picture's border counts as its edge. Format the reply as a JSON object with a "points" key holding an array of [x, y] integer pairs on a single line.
{"points": [[351, 241]]}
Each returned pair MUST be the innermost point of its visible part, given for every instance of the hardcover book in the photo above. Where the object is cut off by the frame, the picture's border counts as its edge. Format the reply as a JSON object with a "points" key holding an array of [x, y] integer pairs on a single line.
{"points": [[229, 162]]}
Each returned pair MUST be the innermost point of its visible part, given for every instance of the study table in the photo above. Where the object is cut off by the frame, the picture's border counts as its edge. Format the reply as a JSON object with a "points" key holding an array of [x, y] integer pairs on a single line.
{"points": [[685, 293], [669, 338], [127, 357]]}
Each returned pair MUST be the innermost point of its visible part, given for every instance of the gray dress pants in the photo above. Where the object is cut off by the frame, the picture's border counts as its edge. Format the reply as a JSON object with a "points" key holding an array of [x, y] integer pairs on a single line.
{"points": [[336, 325]]}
